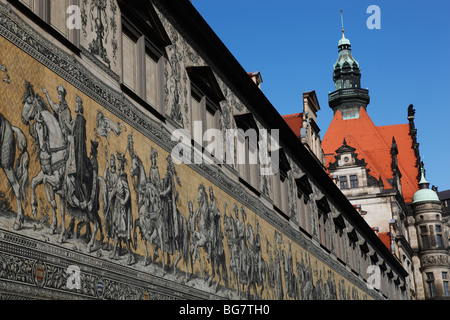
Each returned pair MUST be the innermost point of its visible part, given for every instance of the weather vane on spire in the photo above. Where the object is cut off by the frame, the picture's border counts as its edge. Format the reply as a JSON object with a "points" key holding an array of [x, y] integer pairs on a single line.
{"points": [[342, 22]]}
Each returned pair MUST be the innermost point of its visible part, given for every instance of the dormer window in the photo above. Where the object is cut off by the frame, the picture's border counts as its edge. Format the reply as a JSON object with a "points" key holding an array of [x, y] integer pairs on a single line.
{"points": [[205, 112], [350, 113], [53, 13], [143, 45], [280, 184], [142, 67], [247, 150], [353, 181], [58, 16], [304, 192], [343, 182]]}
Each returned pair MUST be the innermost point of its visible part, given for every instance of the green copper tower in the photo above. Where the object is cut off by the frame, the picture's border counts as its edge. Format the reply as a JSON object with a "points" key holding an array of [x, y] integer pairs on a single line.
{"points": [[348, 96]]}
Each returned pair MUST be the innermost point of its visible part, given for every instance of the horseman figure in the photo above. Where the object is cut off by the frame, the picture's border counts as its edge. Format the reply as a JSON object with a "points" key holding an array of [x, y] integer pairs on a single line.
{"points": [[66, 170], [51, 145]]}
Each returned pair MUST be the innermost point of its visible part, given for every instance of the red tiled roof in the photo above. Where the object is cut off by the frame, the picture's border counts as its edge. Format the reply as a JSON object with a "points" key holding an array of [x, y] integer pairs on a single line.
{"points": [[373, 144], [295, 122], [385, 237]]}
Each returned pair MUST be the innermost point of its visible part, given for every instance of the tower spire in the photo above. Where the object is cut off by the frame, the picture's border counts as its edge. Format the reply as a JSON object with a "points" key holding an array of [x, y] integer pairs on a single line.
{"points": [[348, 96]]}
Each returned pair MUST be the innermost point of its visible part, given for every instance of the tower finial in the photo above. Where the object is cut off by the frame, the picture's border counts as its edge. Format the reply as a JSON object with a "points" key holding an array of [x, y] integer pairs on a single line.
{"points": [[342, 22]]}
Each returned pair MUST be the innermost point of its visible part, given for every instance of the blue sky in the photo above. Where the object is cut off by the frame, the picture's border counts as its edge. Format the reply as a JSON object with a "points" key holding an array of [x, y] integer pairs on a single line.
{"points": [[293, 44]]}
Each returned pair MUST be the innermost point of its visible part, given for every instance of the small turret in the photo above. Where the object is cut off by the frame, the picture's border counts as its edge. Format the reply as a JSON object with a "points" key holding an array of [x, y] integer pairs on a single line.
{"points": [[424, 193], [348, 96]]}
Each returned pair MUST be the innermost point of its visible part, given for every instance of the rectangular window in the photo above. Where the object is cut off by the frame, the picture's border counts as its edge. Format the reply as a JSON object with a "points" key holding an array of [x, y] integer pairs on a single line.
{"points": [[323, 237], [344, 182], [196, 116], [425, 238], [347, 83], [141, 68], [439, 238], [278, 189], [353, 181], [212, 142], [352, 113], [129, 48], [304, 213], [425, 242], [364, 264], [353, 256], [340, 251], [430, 284], [445, 283], [151, 84], [58, 15]]}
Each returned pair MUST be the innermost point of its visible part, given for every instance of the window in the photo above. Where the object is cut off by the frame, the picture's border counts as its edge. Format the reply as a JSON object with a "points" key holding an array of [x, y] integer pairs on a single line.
{"points": [[129, 52], [280, 184], [353, 248], [151, 78], [58, 15], [141, 68], [439, 237], [323, 226], [364, 258], [304, 191], [340, 243], [353, 181], [339, 239], [343, 181], [384, 283], [323, 221], [445, 283], [430, 284], [347, 83], [54, 13], [206, 96], [247, 160], [425, 238], [205, 116], [350, 113]]}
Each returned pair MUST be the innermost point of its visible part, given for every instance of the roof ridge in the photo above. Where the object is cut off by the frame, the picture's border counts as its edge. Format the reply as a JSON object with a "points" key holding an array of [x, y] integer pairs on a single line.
{"points": [[393, 125], [292, 115], [366, 116]]}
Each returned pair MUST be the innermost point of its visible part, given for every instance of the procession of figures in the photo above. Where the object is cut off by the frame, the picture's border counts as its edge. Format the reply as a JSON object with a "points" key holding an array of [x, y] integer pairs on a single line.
{"points": [[198, 240]]}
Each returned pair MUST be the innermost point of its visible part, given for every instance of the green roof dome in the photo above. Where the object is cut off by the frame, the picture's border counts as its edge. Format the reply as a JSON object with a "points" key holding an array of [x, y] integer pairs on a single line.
{"points": [[345, 53], [424, 193], [343, 41]]}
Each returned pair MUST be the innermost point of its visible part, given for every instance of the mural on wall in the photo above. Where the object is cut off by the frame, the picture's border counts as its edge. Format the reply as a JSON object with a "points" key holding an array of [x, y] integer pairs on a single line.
{"points": [[100, 28], [84, 180]]}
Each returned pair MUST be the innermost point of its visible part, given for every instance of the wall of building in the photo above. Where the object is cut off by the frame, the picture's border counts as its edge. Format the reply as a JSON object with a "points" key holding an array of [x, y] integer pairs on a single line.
{"points": [[252, 249]]}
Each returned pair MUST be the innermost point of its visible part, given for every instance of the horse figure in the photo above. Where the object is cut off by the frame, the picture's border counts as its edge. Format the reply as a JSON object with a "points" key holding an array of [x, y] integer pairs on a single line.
{"points": [[182, 243], [218, 261], [233, 241], [17, 174], [258, 270], [201, 237], [150, 221], [89, 214], [50, 144], [52, 150]]}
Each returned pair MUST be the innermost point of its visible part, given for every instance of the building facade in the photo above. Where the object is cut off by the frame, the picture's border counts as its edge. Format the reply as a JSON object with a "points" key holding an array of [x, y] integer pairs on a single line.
{"points": [[117, 191], [378, 168]]}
